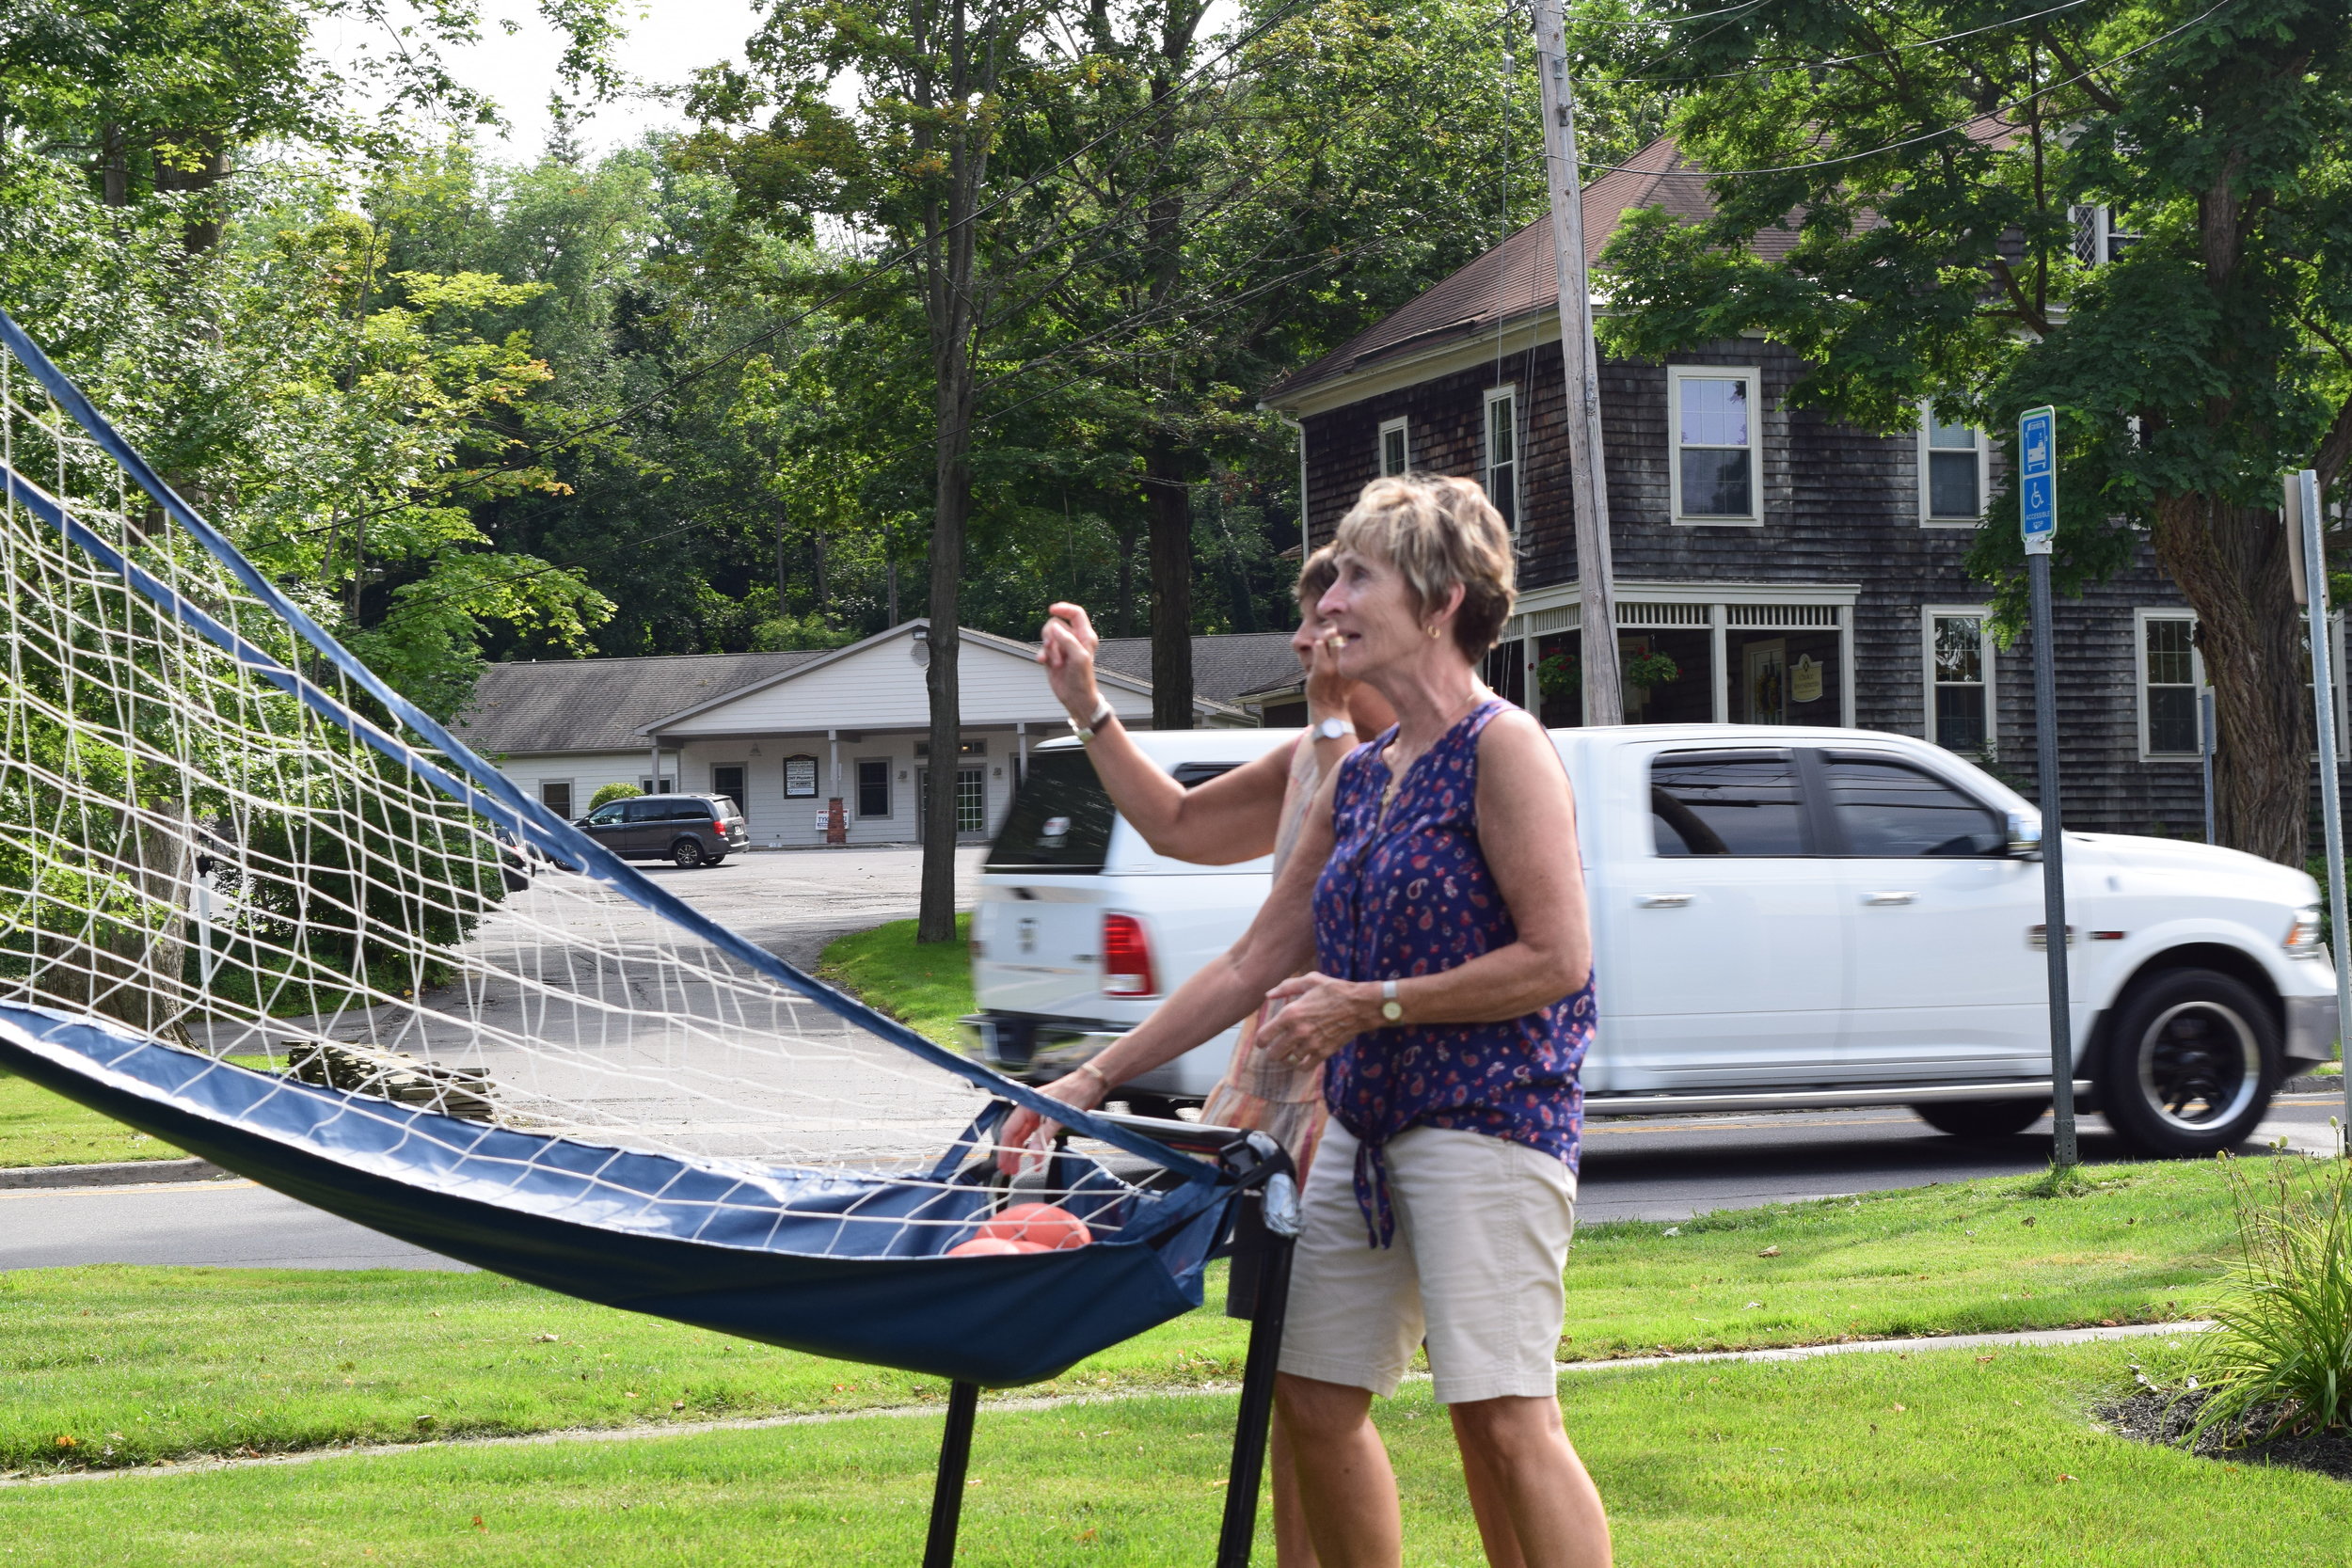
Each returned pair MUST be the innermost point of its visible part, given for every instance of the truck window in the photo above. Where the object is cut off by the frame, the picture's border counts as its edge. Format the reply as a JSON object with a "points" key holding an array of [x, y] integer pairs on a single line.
{"points": [[1192, 775], [1888, 811], [1720, 804], [1061, 819]]}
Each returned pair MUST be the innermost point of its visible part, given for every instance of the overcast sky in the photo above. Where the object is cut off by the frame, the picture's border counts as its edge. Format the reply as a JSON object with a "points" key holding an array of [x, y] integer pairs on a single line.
{"points": [[668, 40]]}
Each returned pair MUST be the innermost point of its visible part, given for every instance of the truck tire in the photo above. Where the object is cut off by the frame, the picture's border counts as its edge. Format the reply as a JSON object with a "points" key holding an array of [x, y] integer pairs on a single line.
{"points": [[1982, 1118], [2190, 1063]]}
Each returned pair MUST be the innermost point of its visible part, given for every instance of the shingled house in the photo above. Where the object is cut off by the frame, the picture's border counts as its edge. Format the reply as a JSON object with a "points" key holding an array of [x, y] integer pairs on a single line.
{"points": [[785, 734], [1790, 569]]}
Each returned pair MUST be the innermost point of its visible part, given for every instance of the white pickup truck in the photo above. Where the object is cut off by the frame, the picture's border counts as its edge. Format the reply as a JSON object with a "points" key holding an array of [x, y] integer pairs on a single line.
{"points": [[1782, 917]]}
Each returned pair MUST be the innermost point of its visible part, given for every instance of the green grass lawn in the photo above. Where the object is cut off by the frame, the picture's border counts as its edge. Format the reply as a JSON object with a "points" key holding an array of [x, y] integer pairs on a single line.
{"points": [[1944, 1458], [927, 986], [38, 1128], [163, 1362]]}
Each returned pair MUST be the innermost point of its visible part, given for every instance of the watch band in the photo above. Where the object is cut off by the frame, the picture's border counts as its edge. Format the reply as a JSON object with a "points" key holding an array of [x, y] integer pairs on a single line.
{"points": [[1334, 729], [1104, 713]]}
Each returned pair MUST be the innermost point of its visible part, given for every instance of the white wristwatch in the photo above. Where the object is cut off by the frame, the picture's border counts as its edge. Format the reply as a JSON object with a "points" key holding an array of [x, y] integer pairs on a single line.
{"points": [[1104, 714], [1335, 729], [1391, 1008]]}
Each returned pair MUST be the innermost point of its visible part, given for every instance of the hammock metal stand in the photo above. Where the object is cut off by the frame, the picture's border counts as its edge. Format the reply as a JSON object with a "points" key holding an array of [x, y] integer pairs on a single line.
{"points": [[1266, 1231]]}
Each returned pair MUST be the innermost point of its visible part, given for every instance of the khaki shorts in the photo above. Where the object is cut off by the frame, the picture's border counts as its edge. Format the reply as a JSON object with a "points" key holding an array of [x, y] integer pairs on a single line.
{"points": [[1481, 1235]]}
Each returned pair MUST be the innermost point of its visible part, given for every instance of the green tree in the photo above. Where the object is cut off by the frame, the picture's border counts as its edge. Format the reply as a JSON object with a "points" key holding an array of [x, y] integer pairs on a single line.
{"points": [[1934, 157]]}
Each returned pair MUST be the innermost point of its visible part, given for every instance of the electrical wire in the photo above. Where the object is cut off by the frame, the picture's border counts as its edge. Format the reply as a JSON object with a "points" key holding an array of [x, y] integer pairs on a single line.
{"points": [[1925, 136]]}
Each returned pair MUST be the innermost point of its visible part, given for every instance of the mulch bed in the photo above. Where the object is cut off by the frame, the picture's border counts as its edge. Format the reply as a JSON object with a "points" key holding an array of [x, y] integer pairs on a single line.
{"points": [[2148, 1416]]}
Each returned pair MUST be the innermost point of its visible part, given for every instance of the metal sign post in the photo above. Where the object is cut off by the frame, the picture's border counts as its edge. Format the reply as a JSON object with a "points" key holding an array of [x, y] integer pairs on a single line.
{"points": [[2206, 740], [2037, 477], [2310, 586]]}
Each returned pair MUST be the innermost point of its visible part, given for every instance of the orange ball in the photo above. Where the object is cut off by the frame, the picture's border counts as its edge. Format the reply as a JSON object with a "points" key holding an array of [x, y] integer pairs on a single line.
{"points": [[1042, 1225]]}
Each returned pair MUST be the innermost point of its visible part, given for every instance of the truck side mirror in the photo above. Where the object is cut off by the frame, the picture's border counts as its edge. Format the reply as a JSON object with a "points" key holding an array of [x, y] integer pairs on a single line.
{"points": [[2025, 836]]}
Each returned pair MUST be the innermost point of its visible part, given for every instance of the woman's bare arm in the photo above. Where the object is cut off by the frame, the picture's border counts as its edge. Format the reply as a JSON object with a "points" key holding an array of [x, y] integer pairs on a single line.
{"points": [[1222, 991]]}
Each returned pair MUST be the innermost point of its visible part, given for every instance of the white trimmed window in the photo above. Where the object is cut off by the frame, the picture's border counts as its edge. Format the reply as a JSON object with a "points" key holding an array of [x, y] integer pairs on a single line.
{"points": [[556, 795], [1953, 475], [1716, 430], [1503, 453], [1396, 450], [1958, 660], [2172, 674]]}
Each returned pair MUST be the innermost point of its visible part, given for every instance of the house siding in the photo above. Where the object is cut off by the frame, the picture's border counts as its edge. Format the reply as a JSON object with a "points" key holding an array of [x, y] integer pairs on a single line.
{"points": [[1841, 506]]}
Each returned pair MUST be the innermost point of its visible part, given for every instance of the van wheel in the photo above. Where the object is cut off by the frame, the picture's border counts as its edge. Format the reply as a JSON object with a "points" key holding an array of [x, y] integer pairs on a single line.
{"points": [[688, 852], [1982, 1118], [2190, 1064]]}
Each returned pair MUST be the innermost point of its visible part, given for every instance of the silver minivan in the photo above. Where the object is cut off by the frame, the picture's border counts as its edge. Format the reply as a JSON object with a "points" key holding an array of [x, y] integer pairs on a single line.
{"points": [[1081, 930]]}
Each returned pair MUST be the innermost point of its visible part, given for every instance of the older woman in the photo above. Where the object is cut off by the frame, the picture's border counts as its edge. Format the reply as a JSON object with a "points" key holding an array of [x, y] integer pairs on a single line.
{"points": [[1438, 890]]}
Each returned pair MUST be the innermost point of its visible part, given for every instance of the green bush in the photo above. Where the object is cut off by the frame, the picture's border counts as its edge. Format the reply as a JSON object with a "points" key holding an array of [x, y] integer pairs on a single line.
{"points": [[612, 792], [2280, 1355]]}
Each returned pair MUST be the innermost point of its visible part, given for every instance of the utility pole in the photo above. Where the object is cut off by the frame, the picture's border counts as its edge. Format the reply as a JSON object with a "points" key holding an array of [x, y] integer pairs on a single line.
{"points": [[1588, 486]]}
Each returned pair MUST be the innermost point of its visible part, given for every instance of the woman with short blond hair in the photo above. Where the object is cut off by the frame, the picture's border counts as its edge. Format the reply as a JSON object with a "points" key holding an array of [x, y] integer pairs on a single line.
{"points": [[1437, 890]]}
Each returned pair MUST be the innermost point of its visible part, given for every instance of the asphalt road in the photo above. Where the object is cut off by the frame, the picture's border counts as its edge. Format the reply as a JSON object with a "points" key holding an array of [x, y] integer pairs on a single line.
{"points": [[1634, 1168]]}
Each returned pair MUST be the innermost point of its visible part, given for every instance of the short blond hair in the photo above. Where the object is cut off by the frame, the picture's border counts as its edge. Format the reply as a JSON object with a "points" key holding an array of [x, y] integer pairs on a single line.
{"points": [[1439, 533]]}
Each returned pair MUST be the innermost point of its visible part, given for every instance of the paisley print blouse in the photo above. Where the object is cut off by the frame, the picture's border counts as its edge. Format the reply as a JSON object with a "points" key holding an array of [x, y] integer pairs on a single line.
{"points": [[1411, 894]]}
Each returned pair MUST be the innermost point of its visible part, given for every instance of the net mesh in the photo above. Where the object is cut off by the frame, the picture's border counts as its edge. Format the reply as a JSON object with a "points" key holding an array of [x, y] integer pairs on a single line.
{"points": [[217, 833]]}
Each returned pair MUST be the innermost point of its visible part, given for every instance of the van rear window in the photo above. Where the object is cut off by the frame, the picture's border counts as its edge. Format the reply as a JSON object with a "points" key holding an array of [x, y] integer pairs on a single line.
{"points": [[1061, 819]]}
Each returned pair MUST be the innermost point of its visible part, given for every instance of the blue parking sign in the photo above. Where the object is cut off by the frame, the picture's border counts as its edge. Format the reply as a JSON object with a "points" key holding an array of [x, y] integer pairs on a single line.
{"points": [[2037, 477]]}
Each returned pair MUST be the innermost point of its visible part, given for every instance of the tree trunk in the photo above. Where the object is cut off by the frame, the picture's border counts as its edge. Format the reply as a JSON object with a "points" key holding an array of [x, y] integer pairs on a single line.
{"points": [[2232, 564], [1171, 585]]}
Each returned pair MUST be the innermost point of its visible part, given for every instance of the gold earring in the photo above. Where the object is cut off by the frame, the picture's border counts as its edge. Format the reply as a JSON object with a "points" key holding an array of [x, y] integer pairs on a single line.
{"points": [[1433, 634]]}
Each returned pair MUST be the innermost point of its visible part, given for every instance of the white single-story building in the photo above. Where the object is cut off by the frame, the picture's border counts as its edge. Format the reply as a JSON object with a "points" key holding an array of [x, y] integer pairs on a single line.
{"points": [[787, 733]]}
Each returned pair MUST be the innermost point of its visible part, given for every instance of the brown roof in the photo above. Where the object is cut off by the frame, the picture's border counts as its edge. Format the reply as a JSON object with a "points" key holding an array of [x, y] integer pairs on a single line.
{"points": [[1522, 275]]}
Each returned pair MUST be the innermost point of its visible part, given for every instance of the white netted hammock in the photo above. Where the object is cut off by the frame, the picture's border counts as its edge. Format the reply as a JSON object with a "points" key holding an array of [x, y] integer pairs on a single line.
{"points": [[255, 903]]}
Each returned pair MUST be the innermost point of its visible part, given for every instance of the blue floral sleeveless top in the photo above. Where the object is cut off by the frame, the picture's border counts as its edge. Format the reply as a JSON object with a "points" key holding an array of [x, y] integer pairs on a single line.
{"points": [[1412, 896]]}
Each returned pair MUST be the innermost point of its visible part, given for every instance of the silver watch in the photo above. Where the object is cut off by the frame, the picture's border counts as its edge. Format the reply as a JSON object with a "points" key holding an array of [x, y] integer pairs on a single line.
{"points": [[1335, 729]]}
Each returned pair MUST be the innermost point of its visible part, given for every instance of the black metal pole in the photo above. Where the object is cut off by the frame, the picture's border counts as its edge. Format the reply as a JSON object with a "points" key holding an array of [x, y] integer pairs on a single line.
{"points": [[1237, 1535], [2062, 1150], [955, 1457]]}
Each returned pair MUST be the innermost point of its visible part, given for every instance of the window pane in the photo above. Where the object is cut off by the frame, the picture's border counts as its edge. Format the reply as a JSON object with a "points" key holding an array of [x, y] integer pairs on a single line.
{"points": [[1956, 437], [873, 788], [1726, 806], [1959, 648], [556, 795], [1501, 434], [2168, 660], [727, 780], [1960, 717], [971, 801], [1502, 488], [2172, 719], [1952, 485], [1061, 819], [1391, 452], [1714, 411], [1715, 484], [1889, 811]]}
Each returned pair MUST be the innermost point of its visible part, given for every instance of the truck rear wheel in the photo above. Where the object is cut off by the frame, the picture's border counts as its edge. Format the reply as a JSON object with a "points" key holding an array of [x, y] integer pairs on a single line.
{"points": [[1982, 1118], [2190, 1064]]}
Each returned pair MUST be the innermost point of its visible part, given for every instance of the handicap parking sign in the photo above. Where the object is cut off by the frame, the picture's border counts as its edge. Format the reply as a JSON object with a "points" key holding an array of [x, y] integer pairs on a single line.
{"points": [[2037, 477]]}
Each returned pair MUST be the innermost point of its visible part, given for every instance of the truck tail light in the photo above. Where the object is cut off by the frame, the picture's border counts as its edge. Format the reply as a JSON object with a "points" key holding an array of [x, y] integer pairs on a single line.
{"points": [[1126, 957]]}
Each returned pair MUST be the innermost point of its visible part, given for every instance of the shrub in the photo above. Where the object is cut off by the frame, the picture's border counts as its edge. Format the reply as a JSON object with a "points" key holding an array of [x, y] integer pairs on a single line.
{"points": [[2281, 1354], [612, 792]]}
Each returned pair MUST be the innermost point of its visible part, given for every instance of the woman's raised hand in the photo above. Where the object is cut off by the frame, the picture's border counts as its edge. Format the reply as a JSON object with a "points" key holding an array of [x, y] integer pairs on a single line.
{"points": [[1317, 1015], [1026, 1134], [1067, 651]]}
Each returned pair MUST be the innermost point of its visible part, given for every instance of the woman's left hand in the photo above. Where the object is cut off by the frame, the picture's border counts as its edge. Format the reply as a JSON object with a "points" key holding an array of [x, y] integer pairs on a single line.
{"points": [[1318, 1015]]}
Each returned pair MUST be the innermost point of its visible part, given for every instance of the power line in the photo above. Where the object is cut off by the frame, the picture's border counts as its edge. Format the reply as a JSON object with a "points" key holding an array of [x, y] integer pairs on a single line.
{"points": [[1925, 136]]}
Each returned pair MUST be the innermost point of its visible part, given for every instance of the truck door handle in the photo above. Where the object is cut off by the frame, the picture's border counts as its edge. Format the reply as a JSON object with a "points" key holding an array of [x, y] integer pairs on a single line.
{"points": [[1661, 900], [1890, 898]]}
